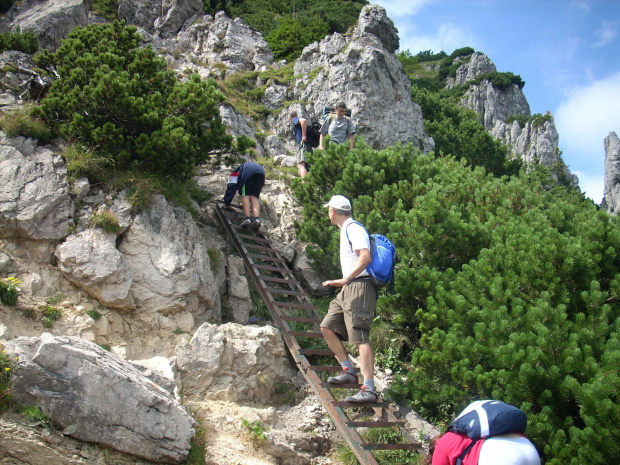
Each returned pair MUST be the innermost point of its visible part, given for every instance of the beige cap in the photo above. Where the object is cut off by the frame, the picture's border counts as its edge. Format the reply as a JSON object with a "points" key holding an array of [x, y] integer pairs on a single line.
{"points": [[339, 202]]}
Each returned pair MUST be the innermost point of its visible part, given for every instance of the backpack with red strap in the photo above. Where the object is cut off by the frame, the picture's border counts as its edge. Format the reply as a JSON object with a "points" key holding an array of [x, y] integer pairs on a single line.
{"points": [[486, 418]]}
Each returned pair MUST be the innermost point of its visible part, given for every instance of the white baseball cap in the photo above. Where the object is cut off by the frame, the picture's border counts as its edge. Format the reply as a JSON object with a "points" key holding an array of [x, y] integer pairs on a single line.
{"points": [[339, 202]]}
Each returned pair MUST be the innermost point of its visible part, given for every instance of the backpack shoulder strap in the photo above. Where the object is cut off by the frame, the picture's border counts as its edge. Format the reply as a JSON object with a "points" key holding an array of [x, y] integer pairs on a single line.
{"points": [[346, 231], [460, 458]]}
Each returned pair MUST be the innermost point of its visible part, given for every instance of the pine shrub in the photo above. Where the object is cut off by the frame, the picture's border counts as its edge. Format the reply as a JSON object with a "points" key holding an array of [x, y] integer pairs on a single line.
{"points": [[508, 288], [119, 99]]}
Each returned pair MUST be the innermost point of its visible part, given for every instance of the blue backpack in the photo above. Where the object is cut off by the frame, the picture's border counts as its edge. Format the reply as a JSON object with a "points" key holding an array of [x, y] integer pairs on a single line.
{"points": [[383, 259], [486, 418]]}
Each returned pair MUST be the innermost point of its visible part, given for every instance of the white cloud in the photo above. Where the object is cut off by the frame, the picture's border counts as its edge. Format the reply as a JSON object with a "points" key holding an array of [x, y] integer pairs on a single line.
{"points": [[589, 113], [398, 9], [591, 185], [448, 37], [583, 119], [606, 33]]}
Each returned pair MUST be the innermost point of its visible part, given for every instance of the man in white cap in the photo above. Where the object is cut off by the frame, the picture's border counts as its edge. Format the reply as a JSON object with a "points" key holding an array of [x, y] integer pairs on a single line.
{"points": [[351, 313]]}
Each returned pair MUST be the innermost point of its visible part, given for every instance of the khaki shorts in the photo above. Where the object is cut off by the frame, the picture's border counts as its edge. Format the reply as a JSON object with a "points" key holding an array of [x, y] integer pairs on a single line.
{"points": [[351, 313], [300, 156]]}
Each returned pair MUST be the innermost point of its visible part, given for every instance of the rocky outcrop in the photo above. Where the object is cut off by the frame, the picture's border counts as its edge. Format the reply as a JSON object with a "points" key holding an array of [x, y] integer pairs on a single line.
{"points": [[34, 192], [168, 257], [51, 20], [473, 66], [109, 400], [232, 362], [362, 71], [494, 105], [91, 261], [611, 199]]}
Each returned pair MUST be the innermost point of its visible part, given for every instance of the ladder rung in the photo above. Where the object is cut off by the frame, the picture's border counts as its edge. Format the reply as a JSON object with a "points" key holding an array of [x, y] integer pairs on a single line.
{"points": [[292, 305], [290, 282], [275, 290], [315, 352], [343, 404], [342, 386], [303, 319], [391, 446], [325, 368], [373, 424], [260, 247], [253, 238], [266, 258], [306, 334], [273, 268]]}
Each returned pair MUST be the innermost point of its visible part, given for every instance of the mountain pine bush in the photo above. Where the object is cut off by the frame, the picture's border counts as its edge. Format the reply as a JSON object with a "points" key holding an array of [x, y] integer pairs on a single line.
{"points": [[119, 99], [508, 288]]}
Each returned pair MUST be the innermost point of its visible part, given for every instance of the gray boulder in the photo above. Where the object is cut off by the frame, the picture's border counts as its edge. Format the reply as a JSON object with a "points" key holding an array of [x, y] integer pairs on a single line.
{"points": [[168, 258], [232, 362], [51, 20], [91, 261], [111, 403], [34, 192]]}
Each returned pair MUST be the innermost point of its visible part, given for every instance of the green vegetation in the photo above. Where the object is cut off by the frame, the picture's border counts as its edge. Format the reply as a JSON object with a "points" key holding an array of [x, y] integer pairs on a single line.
{"points": [[346, 456], [119, 100], [9, 291], [56, 299], [508, 287], [6, 371], [105, 220], [106, 8], [289, 26], [50, 315], [94, 314], [198, 445], [22, 123], [26, 41], [254, 430]]}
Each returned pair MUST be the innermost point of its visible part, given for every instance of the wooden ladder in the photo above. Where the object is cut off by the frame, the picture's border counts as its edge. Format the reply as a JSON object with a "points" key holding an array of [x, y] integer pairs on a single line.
{"points": [[299, 322]]}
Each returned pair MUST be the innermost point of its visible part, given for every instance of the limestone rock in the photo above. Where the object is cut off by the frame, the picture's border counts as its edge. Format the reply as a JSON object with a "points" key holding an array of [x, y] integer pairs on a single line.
{"points": [[167, 256], [80, 383], [91, 261], [368, 77], [475, 65], [51, 20], [232, 362], [34, 192], [611, 200], [493, 105]]}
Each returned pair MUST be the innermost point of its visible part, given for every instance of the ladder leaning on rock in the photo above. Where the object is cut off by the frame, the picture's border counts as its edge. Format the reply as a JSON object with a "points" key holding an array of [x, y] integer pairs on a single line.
{"points": [[298, 319]]}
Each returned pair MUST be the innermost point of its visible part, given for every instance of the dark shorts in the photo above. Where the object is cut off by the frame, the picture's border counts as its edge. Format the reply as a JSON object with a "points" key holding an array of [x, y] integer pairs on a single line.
{"points": [[302, 149], [351, 313], [253, 185]]}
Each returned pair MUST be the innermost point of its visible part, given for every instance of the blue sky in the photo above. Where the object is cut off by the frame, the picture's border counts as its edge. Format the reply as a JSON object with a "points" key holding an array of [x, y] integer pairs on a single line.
{"points": [[566, 51]]}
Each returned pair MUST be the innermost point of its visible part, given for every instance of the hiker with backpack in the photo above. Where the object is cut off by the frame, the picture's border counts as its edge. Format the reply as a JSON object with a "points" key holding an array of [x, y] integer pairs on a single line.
{"points": [[248, 179], [300, 127], [351, 313], [487, 432], [338, 126]]}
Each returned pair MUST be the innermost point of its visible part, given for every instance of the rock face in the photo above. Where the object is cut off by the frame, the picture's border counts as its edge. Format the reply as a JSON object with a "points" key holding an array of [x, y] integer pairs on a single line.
{"points": [[611, 200], [168, 258], [34, 192], [91, 261], [362, 71], [51, 20], [108, 399], [232, 362]]}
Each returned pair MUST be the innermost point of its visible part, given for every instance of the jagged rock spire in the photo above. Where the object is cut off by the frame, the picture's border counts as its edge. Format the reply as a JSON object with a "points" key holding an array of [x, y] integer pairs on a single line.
{"points": [[611, 200]]}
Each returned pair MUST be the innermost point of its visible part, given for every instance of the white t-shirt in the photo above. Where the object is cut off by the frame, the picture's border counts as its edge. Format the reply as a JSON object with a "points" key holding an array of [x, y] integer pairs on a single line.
{"points": [[359, 240], [508, 449]]}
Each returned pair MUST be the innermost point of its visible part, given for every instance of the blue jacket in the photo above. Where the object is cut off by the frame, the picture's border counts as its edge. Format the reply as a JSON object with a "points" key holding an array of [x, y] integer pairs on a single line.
{"points": [[239, 177]]}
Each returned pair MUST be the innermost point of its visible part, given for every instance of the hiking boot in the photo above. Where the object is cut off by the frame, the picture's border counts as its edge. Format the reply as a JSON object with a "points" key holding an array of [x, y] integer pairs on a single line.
{"points": [[346, 376], [256, 224], [363, 396], [246, 223]]}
